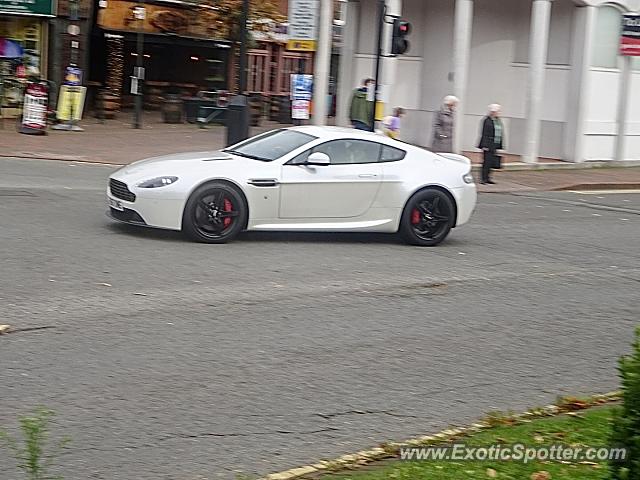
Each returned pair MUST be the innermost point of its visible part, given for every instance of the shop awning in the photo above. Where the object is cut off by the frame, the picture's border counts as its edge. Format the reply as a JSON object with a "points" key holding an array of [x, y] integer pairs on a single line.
{"points": [[170, 39]]}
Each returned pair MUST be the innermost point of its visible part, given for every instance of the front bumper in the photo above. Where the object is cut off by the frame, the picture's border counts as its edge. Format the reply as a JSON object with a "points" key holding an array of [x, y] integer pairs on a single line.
{"points": [[152, 211]]}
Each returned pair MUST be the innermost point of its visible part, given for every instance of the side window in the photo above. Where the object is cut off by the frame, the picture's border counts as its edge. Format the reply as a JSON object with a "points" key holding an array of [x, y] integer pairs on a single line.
{"points": [[344, 152], [391, 154]]}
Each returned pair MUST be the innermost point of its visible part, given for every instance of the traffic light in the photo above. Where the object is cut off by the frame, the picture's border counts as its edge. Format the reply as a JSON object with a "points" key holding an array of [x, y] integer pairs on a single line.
{"points": [[399, 43]]}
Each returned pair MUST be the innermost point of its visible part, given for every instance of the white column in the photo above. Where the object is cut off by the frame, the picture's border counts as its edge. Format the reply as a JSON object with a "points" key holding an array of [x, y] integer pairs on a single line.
{"points": [[346, 77], [461, 52], [538, 46], [623, 108], [584, 24], [322, 63]]}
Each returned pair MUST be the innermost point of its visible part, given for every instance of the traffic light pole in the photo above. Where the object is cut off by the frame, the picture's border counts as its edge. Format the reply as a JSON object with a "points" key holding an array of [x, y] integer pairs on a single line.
{"points": [[381, 15]]}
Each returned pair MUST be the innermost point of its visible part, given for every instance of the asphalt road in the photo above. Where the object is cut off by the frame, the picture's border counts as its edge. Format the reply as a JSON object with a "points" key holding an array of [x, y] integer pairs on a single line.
{"points": [[173, 360]]}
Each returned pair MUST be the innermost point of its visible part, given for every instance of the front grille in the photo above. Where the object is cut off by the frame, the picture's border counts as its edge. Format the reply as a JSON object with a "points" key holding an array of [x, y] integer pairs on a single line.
{"points": [[120, 190]]}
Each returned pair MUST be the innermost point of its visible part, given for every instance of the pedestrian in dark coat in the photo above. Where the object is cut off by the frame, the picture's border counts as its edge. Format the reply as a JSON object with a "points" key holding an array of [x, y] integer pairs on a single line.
{"points": [[491, 140], [443, 126]]}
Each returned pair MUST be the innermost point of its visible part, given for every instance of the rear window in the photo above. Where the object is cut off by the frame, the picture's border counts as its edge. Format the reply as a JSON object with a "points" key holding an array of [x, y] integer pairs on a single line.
{"points": [[391, 154]]}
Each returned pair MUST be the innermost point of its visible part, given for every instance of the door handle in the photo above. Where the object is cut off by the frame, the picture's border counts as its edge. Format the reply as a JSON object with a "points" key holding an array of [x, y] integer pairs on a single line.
{"points": [[367, 175]]}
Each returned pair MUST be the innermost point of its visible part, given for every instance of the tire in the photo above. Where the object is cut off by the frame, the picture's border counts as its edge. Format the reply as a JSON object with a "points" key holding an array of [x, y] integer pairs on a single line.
{"points": [[427, 218], [215, 213]]}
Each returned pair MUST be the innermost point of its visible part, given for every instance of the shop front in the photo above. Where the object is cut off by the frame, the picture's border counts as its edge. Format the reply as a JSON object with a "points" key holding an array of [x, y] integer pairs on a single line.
{"points": [[181, 49], [23, 45]]}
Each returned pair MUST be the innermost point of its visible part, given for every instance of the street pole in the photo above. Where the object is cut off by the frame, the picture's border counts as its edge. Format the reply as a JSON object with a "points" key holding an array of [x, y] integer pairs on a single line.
{"points": [[381, 13], [238, 115], [322, 63], [137, 119], [242, 87]]}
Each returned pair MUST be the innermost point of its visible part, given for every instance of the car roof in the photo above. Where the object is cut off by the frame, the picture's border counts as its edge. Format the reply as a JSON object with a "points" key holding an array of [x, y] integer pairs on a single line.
{"points": [[328, 132]]}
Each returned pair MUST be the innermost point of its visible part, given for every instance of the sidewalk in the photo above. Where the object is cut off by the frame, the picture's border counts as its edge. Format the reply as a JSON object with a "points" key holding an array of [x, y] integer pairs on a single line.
{"points": [[115, 142], [574, 179]]}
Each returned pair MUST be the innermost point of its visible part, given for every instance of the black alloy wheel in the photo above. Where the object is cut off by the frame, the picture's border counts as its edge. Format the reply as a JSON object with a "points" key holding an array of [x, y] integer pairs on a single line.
{"points": [[215, 213], [427, 218]]}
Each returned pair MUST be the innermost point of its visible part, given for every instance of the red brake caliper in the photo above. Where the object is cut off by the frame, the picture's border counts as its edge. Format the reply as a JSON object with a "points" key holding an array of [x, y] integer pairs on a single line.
{"points": [[228, 207], [415, 217]]}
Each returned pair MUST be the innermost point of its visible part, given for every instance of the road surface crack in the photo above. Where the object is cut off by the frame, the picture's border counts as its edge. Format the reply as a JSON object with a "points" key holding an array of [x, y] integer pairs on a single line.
{"points": [[329, 416]]}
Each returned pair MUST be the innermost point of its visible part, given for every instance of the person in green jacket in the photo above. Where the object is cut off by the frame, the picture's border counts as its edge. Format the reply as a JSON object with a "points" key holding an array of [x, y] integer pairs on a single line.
{"points": [[361, 107]]}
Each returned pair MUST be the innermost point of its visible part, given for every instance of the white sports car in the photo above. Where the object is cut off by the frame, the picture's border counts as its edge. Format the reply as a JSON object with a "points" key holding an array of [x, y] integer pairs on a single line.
{"points": [[308, 178]]}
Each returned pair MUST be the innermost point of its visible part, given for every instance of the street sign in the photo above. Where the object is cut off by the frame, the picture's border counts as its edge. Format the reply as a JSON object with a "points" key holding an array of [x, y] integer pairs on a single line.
{"points": [[303, 27], [630, 39]]}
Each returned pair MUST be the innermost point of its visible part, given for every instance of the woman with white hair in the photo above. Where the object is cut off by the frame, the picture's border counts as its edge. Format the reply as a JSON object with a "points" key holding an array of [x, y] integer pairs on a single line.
{"points": [[492, 140], [443, 126]]}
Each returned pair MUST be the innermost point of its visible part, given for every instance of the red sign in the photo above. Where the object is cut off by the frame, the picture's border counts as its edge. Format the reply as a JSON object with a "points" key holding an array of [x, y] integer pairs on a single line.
{"points": [[630, 40], [34, 112]]}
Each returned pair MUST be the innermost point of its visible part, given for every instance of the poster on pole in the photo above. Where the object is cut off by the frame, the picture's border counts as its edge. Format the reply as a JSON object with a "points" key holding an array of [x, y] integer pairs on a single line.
{"points": [[303, 25], [630, 39], [301, 94]]}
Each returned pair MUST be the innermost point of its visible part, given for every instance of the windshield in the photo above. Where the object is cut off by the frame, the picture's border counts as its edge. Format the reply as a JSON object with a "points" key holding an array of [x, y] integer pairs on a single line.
{"points": [[272, 145]]}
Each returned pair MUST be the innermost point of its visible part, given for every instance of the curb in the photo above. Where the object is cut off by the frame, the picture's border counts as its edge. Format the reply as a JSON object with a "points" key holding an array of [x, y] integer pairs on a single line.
{"points": [[63, 159], [516, 167], [600, 186], [366, 457]]}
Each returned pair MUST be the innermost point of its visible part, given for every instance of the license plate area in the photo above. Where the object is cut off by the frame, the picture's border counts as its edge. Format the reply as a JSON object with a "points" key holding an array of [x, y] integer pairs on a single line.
{"points": [[116, 204]]}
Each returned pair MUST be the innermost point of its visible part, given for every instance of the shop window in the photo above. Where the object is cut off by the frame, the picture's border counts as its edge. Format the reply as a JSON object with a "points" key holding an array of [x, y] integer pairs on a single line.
{"points": [[606, 40]]}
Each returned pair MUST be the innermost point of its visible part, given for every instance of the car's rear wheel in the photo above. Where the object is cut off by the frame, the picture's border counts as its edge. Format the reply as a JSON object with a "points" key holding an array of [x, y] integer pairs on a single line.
{"points": [[428, 217], [215, 213]]}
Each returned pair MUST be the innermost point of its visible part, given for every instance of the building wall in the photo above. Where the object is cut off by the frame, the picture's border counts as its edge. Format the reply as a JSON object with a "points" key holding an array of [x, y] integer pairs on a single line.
{"points": [[499, 72]]}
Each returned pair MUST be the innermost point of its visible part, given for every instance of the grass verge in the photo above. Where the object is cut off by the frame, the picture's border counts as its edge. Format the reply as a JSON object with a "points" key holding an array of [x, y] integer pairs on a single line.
{"points": [[588, 428]]}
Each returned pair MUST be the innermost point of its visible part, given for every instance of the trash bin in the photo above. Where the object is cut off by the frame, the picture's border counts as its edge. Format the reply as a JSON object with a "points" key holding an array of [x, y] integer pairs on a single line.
{"points": [[237, 120], [172, 109]]}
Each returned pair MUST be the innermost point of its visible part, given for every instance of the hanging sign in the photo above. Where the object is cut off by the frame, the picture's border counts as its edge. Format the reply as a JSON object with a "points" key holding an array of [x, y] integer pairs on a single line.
{"points": [[630, 39], [34, 111]]}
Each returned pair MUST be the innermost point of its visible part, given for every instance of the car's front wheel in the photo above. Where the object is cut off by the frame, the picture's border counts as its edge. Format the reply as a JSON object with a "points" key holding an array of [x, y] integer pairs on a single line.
{"points": [[427, 218], [215, 213]]}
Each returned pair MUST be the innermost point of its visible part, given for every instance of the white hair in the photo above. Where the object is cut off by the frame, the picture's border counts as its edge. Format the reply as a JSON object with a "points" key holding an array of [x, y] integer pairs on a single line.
{"points": [[495, 107], [450, 100]]}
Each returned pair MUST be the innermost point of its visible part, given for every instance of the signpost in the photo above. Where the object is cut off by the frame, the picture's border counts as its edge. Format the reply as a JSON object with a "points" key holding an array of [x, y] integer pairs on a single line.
{"points": [[303, 26], [629, 47]]}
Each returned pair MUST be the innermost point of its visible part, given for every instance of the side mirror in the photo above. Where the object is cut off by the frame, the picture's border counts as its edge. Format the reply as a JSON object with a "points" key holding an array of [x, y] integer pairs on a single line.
{"points": [[318, 159]]}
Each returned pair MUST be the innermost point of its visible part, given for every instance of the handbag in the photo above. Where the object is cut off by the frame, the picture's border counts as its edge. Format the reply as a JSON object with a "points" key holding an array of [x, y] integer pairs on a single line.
{"points": [[497, 162]]}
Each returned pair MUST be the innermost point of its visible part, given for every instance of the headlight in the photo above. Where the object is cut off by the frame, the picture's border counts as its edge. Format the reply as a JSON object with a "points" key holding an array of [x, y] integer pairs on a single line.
{"points": [[158, 182], [468, 178]]}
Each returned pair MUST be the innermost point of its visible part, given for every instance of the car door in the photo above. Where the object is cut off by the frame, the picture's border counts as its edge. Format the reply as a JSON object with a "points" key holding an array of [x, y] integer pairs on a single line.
{"points": [[346, 188]]}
